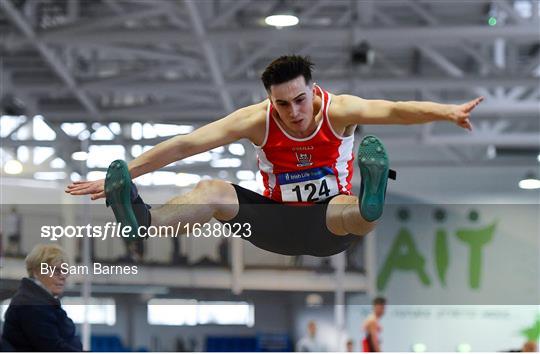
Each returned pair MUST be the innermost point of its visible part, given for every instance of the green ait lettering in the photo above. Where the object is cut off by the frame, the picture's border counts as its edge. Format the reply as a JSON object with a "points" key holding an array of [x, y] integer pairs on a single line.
{"points": [[476, 239], [441, 255], [404, 256]]}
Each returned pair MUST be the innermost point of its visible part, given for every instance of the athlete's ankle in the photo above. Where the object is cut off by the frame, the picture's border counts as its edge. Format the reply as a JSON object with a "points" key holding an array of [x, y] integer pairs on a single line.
{"points": [[142, 212]]}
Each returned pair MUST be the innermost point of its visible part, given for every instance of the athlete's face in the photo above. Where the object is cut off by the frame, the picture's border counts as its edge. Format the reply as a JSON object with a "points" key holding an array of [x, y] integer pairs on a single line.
{"points": [[293, 101]]}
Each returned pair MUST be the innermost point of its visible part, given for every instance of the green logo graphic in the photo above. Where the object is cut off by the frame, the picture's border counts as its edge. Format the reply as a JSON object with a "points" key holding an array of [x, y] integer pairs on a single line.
{"points": [[476, 239], [442, 258], [405, 256]]}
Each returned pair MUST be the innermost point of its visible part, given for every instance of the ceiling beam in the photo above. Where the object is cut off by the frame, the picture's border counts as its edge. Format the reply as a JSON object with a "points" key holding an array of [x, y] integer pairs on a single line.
{"points": [[509, 10], [136, 52], [210, 55], [441, 61], [74, 29], [226, 16], [333, 83], [499, 140], [470, 139], [422, 12], [56, 65], [395, 36]]}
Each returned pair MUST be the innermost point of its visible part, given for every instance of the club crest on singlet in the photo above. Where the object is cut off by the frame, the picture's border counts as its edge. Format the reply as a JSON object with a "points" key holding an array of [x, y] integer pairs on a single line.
{"points": [[304, 159]]}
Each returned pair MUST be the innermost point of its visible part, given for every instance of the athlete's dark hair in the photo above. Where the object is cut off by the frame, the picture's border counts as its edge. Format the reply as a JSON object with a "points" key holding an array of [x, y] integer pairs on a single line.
{"points": [[286, 68], [379, 301]]}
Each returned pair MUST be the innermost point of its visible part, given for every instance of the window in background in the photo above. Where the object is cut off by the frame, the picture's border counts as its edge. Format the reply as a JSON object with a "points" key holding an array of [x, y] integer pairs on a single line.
{"points": [[178, 312], [226, 313], [172, 312], [100, 310]]}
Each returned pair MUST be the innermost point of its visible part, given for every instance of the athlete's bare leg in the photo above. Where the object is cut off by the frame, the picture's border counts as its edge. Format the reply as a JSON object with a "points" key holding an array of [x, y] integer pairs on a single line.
{"points": [[343, 217], [210, 198], [216, 198]]}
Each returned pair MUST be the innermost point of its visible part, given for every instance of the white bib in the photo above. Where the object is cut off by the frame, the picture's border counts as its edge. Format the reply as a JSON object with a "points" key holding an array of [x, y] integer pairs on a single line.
{"points": [[313, 185]]}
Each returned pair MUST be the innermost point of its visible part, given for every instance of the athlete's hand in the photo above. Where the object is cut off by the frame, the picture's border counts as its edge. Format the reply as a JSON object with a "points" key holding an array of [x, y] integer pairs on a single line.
{"points": [[460, 114], [94, 188]]}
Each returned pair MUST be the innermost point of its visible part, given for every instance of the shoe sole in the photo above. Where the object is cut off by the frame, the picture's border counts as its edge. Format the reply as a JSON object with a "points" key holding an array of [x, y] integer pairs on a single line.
{"points": [[373, 162], [118, 194]]}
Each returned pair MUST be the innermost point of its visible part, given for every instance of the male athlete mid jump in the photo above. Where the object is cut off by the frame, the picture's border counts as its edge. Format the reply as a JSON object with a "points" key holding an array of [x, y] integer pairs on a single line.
{"points": [[303, 136]]}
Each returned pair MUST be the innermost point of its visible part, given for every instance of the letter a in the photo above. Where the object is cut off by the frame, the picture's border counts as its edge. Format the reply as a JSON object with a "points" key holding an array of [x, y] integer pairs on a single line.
{"points": [[403, 255]]}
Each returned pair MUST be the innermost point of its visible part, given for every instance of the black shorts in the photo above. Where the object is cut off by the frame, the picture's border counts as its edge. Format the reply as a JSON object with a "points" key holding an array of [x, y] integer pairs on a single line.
{"points": [[287, 229]]}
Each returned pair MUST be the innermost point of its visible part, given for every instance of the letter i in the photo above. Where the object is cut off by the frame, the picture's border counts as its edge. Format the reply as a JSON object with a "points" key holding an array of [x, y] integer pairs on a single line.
{"points": [[441, 247], [441, 255]]}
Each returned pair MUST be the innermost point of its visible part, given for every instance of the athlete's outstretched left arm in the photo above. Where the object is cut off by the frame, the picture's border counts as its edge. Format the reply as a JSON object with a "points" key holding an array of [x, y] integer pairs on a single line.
{"points": [[350, 110]]}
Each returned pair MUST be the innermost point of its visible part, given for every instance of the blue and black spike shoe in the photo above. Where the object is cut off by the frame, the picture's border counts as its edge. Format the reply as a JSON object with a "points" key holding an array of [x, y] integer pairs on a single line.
{"points": [[122, 196], [374, 171]]}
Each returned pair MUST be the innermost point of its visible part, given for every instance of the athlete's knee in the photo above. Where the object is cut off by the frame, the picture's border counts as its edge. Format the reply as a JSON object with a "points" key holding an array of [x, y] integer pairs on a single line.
{"points": [[217, 191], [344, 199], [343, 217], [335, 214], [210, 185]]}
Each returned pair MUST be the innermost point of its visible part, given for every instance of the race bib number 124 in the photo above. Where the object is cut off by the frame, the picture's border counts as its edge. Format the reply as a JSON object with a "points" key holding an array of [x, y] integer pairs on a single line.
{"points": [[311, 185]]}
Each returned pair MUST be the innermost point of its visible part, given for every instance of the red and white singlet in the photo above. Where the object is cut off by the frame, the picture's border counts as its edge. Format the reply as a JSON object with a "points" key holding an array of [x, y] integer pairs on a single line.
{"points": [[305, 170]]}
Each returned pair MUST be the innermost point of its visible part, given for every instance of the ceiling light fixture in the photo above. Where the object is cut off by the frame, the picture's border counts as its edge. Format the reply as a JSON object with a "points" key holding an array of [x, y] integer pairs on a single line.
{"points": [[13, 167], [281, 20], [530, 181]]}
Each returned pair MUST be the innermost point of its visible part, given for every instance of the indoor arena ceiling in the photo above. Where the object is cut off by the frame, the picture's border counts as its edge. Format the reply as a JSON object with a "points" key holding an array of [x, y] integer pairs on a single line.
{"points": [[191, 62]]}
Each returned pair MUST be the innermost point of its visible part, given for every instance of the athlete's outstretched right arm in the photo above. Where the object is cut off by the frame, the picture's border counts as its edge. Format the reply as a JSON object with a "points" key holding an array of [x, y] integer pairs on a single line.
{"points": [[237, 125], [221, 132]]}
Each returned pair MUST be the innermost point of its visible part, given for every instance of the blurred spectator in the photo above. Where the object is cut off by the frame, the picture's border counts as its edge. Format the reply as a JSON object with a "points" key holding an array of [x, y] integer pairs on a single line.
{"points": [[529, 346], [355, 256], [134, 251], [350, 346], [35, 320], [223, 252], [12, 231], [310, 343], [372, 341]]}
